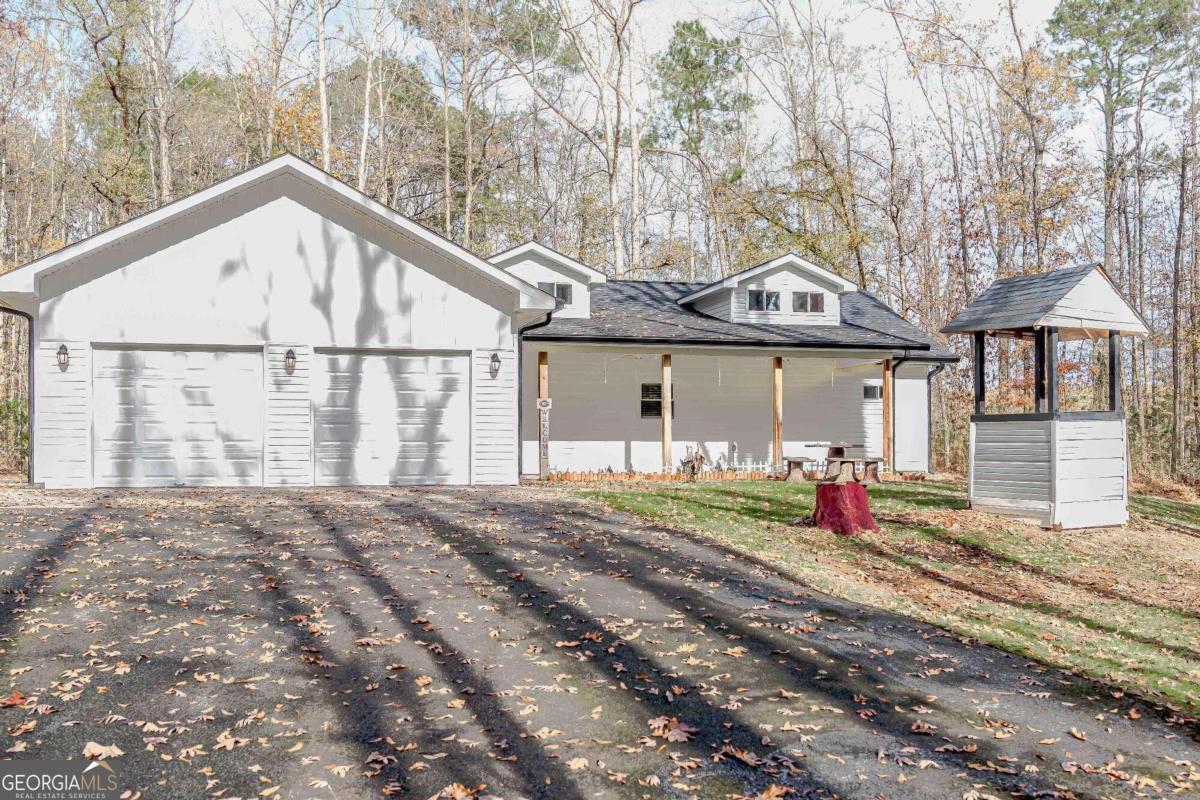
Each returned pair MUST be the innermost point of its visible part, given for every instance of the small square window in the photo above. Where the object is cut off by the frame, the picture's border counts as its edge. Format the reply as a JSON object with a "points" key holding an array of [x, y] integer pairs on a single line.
{"points": [[808, 302], [652, 401], [762, 300], [872, 391]]}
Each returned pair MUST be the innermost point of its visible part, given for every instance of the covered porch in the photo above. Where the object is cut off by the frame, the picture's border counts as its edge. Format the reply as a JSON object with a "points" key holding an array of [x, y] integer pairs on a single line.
{"points": [[642, 409]]}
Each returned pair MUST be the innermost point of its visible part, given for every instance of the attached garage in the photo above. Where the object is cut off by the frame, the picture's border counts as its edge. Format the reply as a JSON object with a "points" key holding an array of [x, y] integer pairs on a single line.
{"points": [[277, 329]]}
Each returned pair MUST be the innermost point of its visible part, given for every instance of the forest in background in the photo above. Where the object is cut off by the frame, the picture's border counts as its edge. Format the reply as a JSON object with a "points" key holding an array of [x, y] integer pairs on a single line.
{"points": [[962, 148]]}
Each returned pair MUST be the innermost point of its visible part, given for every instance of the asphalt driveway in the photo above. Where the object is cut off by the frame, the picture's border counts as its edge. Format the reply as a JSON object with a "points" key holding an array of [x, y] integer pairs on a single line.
{"points": [[358, 643]]}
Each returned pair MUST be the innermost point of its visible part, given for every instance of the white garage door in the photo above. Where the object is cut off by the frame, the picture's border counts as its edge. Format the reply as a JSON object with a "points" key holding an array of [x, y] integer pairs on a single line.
{"points": [[389, 418], [177, 417]]}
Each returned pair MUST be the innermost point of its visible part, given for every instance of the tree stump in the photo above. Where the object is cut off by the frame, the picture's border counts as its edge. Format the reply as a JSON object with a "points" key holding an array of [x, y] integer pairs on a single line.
{"points": [[843, 508]]}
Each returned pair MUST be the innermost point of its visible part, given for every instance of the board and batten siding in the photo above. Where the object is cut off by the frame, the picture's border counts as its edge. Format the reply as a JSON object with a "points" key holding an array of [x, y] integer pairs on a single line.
{"points": [[723, 407], [1059, 472], [494, 424], [63, 415], [288, 435]]}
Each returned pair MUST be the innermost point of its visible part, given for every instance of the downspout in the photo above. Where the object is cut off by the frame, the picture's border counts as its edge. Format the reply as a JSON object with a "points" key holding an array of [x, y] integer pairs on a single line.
{"points": [[32, 394], [933, 373], [520, 395]]}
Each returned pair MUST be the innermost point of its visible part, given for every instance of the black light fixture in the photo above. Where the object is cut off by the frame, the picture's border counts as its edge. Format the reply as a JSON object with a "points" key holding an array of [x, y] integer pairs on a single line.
{"points": [[64, 358], [494, 365], [289, 361]]}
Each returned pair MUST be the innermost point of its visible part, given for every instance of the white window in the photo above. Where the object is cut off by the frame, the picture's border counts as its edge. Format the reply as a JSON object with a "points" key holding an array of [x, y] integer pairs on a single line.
{"points": [[652, 401], [560, 291], [872, 391], [808, 302], [762, 300]]}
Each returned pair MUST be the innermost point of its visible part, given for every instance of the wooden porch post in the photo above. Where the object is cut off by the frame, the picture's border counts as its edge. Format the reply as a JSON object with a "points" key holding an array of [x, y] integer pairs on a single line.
{"points": [[777, 409], [887, 411], [543, 393], [667, 395], [1114, 371]]}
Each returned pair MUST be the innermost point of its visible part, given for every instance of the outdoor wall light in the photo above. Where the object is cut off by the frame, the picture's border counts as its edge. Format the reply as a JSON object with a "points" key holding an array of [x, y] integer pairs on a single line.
{"points": [[289, 362], [494, 365], [64, 358]]}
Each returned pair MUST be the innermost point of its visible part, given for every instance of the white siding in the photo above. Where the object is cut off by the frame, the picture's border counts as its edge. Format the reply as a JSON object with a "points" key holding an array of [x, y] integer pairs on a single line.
{"points": [[911, 442], [1090, 481], [535, 269], [272, 264], [1095, 305], [494, 404], [718, 304], [288, 445], [63, 415], [722, 407], [785, 280]]}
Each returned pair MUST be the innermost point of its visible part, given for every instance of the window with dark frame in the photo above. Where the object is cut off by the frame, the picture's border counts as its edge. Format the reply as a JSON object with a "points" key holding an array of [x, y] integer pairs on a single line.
{"points": [[872, 391], [652, 401], [561, 291], [808, 302], [762, 300]]}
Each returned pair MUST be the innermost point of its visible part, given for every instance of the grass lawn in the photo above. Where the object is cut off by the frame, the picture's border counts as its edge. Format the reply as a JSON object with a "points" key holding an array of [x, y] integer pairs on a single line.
{"points": [[1119, 605]]}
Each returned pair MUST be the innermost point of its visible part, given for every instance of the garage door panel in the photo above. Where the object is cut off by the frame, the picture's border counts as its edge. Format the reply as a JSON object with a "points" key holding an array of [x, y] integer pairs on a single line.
{"points": [[391, 419], [168, 417]]}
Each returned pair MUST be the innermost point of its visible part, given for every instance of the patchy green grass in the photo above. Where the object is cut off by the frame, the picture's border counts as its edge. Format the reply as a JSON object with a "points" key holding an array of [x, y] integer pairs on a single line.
{"points": [[1119, 605]]}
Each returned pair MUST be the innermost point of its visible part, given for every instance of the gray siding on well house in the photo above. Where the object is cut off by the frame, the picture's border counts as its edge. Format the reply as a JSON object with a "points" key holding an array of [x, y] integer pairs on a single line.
{"points": [[288, 436], [64, 415], [716, 305], [494, 404], [1011, 465]]}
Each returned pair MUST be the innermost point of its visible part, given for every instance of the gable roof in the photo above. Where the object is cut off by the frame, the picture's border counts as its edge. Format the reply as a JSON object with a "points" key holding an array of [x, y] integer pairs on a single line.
{"points": [[1081, 301], [22, 282], [532, 248], [652, 312], [788, 259]]}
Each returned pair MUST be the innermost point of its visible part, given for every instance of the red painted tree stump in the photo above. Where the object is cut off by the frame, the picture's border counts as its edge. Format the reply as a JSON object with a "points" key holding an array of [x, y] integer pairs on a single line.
{"points": [[843, 508]]}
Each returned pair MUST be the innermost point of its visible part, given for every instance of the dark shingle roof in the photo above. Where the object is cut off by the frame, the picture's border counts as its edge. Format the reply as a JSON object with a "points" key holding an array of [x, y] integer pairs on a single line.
{"points": [[1019, 302], [648, 312]]}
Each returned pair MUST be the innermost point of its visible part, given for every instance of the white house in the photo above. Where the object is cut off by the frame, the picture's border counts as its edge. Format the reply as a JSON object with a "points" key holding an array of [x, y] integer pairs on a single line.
{"points": [[280, 328], [779, 360]]}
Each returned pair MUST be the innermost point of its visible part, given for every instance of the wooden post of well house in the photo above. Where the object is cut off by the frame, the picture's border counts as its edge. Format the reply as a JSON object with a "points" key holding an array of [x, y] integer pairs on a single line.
{"points": [[777, 409], [887, 411], [543, 415], [666, 412]]}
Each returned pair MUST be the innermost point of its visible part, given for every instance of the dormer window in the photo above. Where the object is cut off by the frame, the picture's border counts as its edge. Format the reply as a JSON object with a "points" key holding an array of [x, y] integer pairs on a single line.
{"points": [[808, 302], [560, 291], [762, 300]]}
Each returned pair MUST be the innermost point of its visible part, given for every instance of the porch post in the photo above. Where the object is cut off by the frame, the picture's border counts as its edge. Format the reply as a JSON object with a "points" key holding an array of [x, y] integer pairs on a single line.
{"points": [[887, 411], [1052, 370], [980, 388], [667, 394], [1114, 371], [777, 409], [1039, 371], [543, 393]]}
